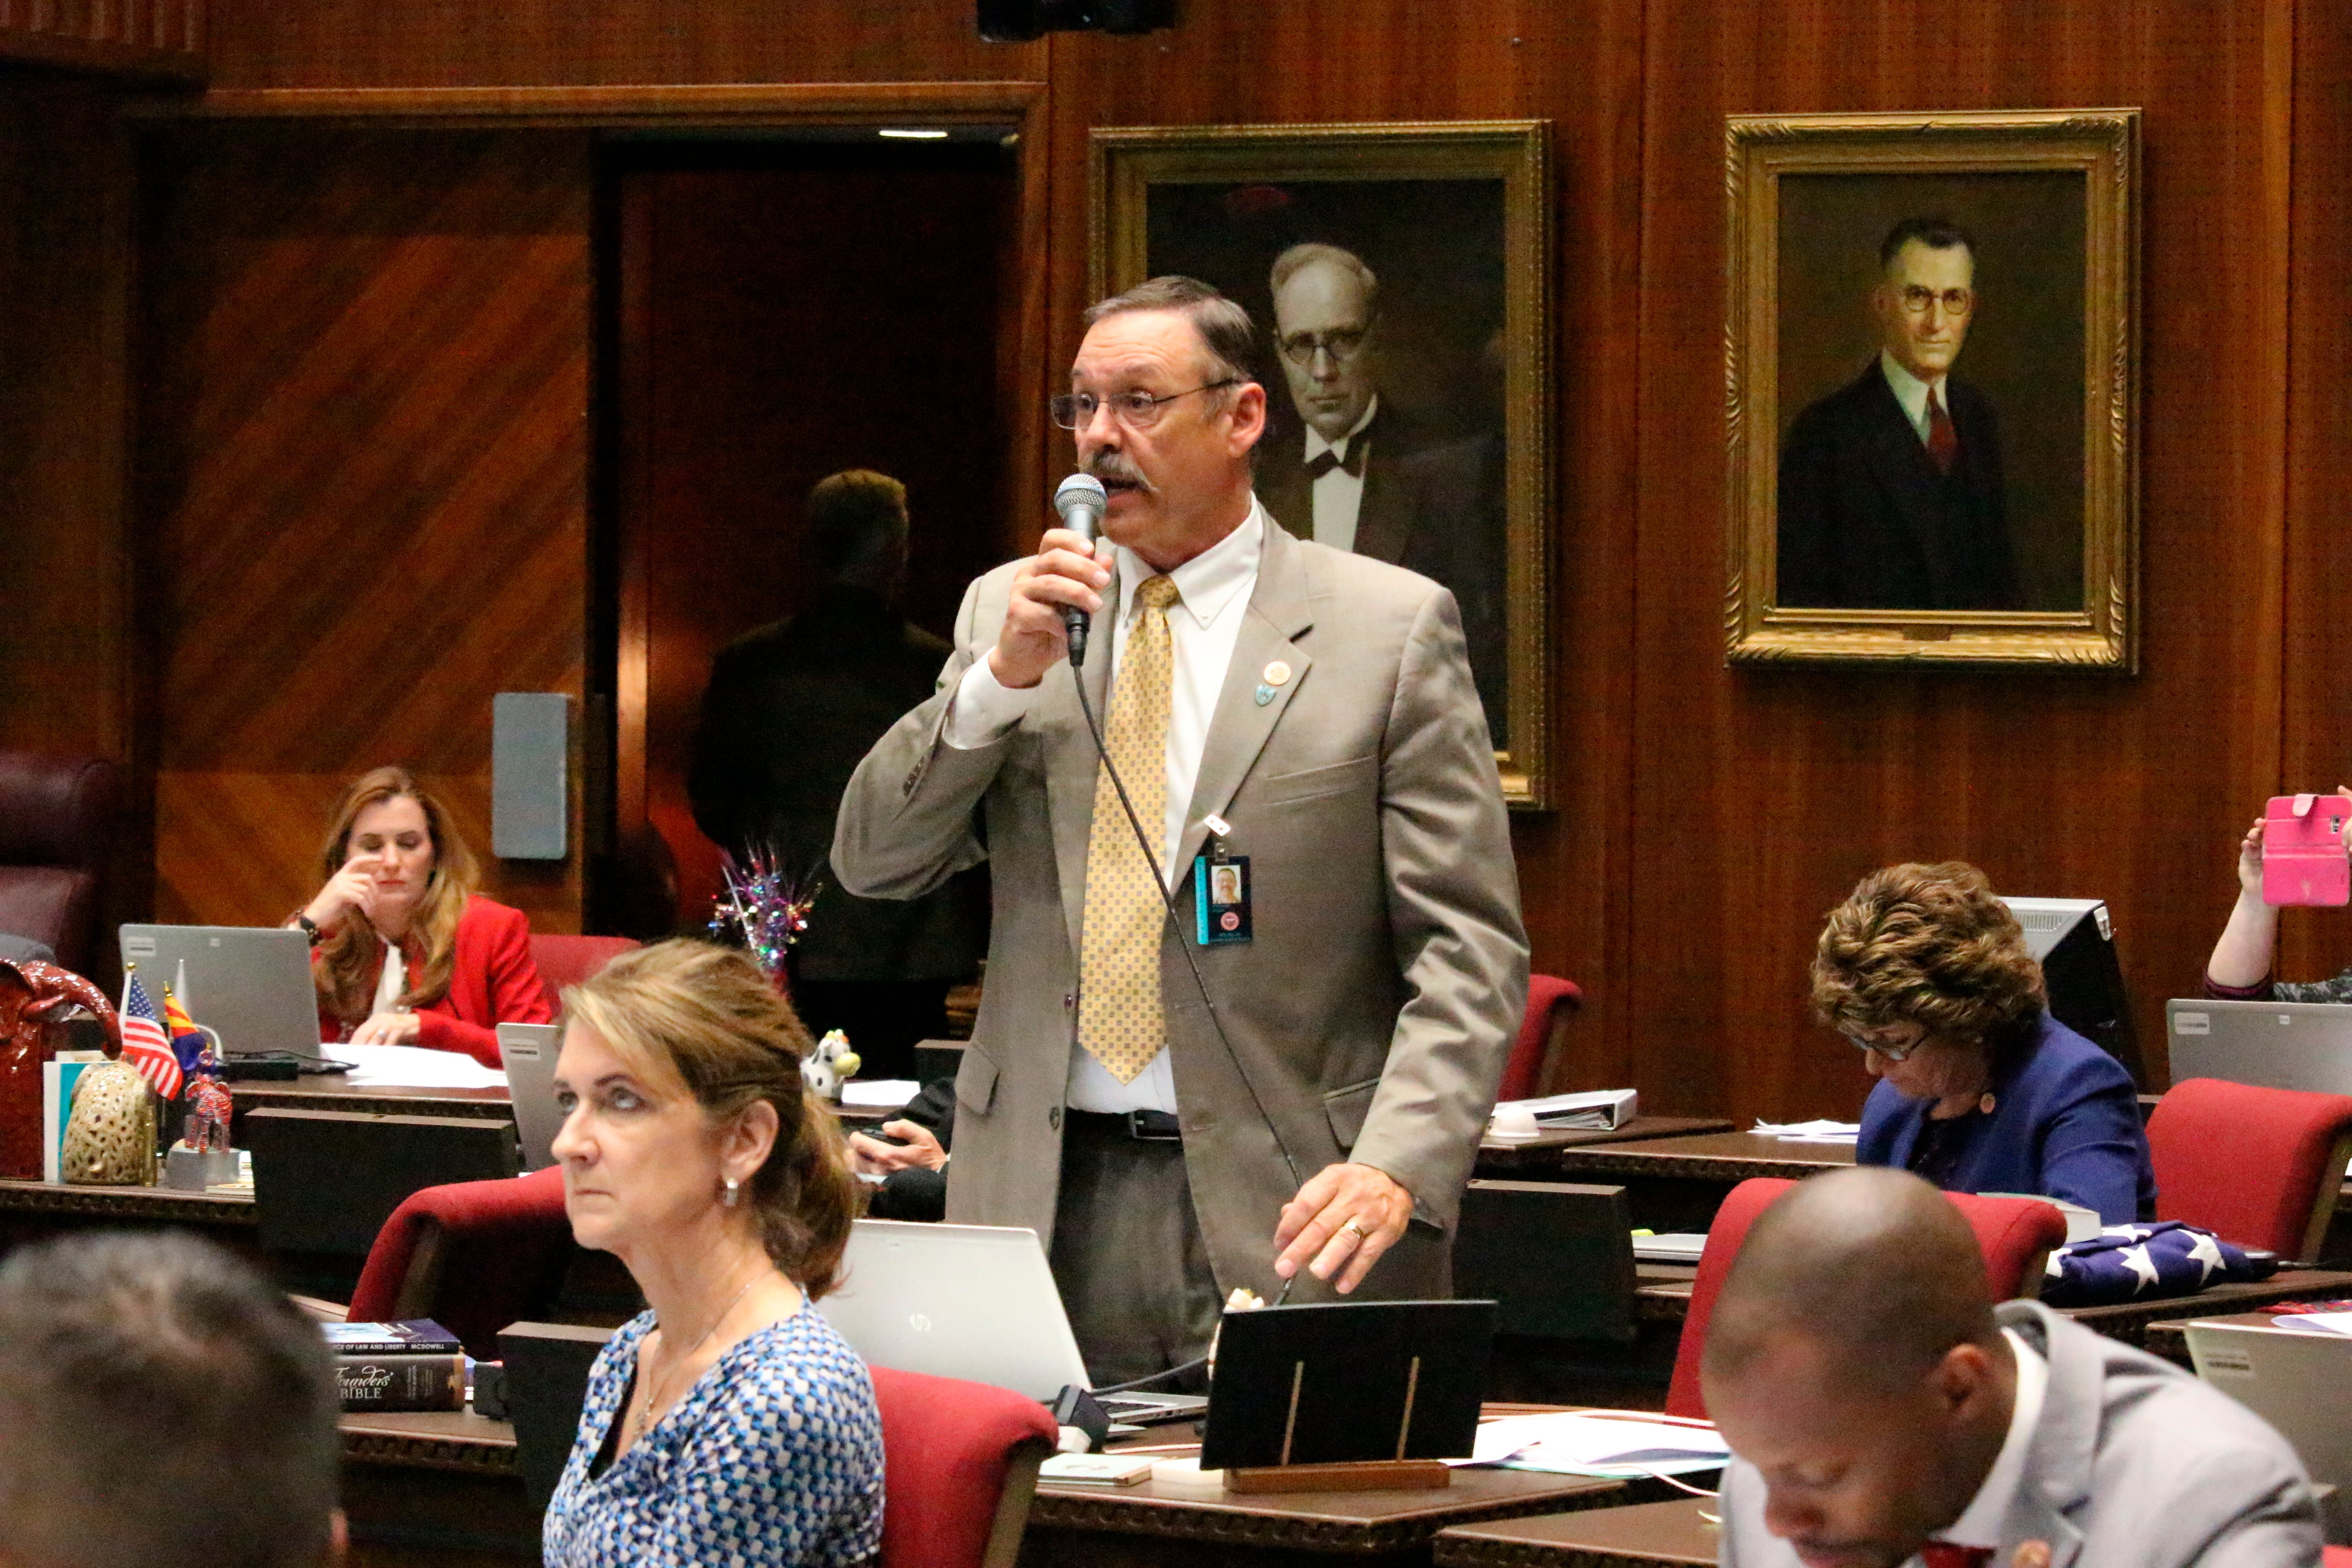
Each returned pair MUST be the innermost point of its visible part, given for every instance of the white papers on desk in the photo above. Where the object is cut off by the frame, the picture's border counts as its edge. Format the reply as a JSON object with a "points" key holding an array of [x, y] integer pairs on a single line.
{"points": [[413, 1067], [2333, 1322], [1674, 1246], [1809, 1132], [1569, 1443], [879, 1093], [1600, 1109]]}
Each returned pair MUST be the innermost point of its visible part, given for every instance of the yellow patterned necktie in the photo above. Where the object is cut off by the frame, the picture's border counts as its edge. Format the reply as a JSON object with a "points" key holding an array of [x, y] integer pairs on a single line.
{"points": [[1119, 1020]]}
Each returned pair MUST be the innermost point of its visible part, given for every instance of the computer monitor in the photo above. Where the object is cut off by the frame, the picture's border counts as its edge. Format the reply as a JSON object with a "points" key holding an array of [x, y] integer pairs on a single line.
{"points": [[2074, 941]]}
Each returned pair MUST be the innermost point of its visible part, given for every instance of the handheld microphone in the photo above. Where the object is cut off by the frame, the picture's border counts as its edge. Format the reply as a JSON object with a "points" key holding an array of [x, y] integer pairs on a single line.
{"points": [[1080, 498]]}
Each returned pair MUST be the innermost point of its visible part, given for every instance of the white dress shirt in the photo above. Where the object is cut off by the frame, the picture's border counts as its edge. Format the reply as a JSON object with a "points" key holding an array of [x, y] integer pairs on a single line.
{"points": [[1912, 392], [393, 980], [1339, 495], [1214, 590], [1980, 1523]]}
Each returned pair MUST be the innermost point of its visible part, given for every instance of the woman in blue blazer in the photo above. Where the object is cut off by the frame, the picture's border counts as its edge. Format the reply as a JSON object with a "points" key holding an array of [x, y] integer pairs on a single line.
{"points": [[1980, 1088]]}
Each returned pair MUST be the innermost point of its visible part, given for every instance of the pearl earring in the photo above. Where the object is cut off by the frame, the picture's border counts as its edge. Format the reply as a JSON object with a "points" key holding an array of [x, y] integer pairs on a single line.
{"points": [[734, 1191]]}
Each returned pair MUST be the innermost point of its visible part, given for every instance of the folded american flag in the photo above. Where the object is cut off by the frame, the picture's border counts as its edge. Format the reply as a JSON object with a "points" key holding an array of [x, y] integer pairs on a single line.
{"points": [[2144, 1263]]}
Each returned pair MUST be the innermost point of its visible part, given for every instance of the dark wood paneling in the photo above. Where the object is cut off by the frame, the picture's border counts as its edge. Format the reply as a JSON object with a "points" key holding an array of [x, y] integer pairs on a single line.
{"points": [[2317, 752], [1580, 66], [786, 314], [462, 43], [1760, 795], [363, 469], [150, 39]]}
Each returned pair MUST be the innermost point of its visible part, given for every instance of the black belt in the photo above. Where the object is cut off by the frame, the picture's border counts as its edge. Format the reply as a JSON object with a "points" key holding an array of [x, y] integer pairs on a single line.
{"points": [[1143, 1126]]}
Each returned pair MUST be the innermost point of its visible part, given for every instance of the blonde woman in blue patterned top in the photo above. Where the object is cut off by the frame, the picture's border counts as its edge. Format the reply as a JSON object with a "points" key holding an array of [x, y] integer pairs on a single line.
{"points": [[730, 1422]]}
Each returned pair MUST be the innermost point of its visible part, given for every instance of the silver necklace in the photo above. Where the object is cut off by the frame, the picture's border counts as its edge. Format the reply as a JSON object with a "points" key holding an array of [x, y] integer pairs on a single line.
{"points": [[646, 1406]]}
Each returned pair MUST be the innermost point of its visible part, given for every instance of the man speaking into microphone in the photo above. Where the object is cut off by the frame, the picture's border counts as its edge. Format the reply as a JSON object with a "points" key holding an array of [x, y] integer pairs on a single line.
{"points": [[1299, 737]]}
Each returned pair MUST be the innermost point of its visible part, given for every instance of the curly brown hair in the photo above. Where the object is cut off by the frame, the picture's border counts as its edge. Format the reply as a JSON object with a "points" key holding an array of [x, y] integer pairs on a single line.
{"points": [[1931, 945]]}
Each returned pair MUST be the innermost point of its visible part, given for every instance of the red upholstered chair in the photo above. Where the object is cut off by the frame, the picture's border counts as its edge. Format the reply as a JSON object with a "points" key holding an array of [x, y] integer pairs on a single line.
{"points": [[474, 1256], [568, 960], [2257, 1166], [959, 1464], [2015, 1235], [2336, 1557], [1551, 1002], [57, 831]]}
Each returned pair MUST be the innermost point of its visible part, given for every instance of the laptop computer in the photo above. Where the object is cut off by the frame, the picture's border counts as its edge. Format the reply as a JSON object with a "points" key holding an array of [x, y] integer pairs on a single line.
{"points": [[2293, 1379], [2277, 1044], [528, 1051], [972, 1301], [250, 984]]}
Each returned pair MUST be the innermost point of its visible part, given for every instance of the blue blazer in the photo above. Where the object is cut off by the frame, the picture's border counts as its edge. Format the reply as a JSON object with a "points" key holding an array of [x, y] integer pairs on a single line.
{"points": [[2065, 1124]]}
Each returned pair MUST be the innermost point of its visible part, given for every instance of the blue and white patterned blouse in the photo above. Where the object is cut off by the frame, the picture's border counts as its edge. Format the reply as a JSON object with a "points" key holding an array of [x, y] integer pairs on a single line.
{"points": [[773, 1457]]}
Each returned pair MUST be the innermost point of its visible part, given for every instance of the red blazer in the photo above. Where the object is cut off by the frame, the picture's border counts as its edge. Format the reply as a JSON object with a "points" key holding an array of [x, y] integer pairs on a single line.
{"points": [[492, 981]]}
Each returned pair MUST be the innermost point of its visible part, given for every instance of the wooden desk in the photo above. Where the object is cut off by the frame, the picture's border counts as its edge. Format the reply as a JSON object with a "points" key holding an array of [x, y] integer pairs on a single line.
{"points": [[1526, 1157], [1163, 1525], [2131, 1320], [131, 1206], [329, 1091], [1677, 1183], [1647, 1533], [435, 1488]]}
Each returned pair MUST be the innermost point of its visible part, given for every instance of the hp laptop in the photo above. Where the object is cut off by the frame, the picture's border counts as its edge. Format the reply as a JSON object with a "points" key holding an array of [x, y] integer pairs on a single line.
{"points": [[250, 984], [528, 1051], [2277, 1044], [971, 1302], [2293, 1379]]}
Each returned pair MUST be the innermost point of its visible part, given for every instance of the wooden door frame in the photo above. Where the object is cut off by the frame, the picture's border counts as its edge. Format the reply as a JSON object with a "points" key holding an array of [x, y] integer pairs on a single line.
{"points": [[1023, 338]]}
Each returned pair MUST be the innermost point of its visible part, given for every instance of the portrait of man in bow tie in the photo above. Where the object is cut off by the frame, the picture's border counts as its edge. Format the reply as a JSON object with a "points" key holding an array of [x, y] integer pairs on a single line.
{"points": [[1891, 491], [1357, 471]]}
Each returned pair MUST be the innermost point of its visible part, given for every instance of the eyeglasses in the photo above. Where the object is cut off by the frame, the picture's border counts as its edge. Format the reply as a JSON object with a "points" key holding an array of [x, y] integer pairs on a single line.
{"points": [[1917, 297], [1892, 1053], [1136, 410], [1300, 348]]}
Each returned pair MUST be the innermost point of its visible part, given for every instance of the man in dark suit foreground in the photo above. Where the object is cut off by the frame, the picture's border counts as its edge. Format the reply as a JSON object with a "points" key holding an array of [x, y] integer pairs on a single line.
{"points": [[161, 1403], [1890, 494], [1879, 1406]]}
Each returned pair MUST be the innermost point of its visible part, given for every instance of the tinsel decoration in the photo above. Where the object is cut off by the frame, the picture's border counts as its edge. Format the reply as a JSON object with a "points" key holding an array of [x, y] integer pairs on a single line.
{"points": [[765, 908]]}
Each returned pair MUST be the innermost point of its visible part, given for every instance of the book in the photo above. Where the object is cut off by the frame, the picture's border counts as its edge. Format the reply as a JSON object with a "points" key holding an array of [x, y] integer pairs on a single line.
{"points": [[405, 1382], [1097, 1470], [58, 1076], [1602, 1110], [416, 1336]]}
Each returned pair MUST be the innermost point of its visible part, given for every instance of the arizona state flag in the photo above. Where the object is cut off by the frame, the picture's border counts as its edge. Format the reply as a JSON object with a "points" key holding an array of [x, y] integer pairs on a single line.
{"points": [[188, 1042]]}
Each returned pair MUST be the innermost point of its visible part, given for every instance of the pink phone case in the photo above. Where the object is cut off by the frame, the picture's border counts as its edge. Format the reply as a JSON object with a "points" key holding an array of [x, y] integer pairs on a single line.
{"points": [[2303, 861]]}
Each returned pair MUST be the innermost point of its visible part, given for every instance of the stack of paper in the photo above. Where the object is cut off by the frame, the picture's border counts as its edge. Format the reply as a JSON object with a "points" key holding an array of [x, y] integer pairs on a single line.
{"points": [[1588, 1444], [413, 1067], [1811, 1132], [1602, 1110], [879, 1093]]}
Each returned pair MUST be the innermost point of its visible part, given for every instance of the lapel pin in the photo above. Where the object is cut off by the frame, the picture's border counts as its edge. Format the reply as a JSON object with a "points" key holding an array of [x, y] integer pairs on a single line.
{"points": [[1277, 674], [1264, 694]]}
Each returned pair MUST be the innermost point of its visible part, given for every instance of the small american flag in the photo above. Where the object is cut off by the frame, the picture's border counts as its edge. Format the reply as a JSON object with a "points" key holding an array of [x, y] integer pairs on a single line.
{"points": [[144, 1044]]}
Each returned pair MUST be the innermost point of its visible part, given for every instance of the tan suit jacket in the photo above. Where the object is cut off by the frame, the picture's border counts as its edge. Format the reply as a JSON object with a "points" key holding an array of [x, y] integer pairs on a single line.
{"points": [[1374, 1009]]}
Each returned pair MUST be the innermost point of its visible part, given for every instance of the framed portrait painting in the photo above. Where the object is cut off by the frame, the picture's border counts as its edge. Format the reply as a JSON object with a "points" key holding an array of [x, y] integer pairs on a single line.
{"points": [[1932, 388], [1398, 275]]}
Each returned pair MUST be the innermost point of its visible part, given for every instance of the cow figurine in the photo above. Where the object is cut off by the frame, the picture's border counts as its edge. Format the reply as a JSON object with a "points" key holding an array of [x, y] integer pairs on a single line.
{"points": [[830, 1065]]}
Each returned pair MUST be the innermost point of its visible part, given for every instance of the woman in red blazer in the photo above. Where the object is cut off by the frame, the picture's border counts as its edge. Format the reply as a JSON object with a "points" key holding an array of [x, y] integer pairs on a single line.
{"points": [[403, 950]]}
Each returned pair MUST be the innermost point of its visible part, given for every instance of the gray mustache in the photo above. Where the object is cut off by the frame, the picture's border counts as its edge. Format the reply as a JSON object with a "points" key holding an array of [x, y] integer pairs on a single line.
{"points": [[1112, 466]]}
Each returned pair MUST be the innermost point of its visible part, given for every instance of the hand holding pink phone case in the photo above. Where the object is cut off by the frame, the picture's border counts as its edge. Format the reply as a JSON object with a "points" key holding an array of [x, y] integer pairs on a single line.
{"points": [[2304, 859]]}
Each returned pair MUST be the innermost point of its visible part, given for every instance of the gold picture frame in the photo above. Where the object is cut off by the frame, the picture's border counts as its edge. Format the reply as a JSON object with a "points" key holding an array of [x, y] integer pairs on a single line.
{"points": [[1454, 221], [2011, 534]]}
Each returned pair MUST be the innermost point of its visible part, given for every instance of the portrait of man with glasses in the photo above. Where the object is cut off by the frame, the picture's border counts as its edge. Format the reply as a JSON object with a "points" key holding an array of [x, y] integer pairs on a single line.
{"points": [[1359, 472], [1890, 494]]}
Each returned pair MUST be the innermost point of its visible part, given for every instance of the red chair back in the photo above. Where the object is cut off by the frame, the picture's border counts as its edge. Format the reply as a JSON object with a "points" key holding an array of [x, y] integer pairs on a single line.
{"points": [[568, 960], [960, 1464], [1551, 1001], [474, 1256], [2257, 1166], [2015, 1235]]}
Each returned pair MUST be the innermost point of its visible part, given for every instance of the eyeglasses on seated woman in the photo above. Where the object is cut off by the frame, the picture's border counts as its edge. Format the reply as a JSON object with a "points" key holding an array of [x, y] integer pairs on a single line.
{"points": [[1980, 1088], [728, 1422]]}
